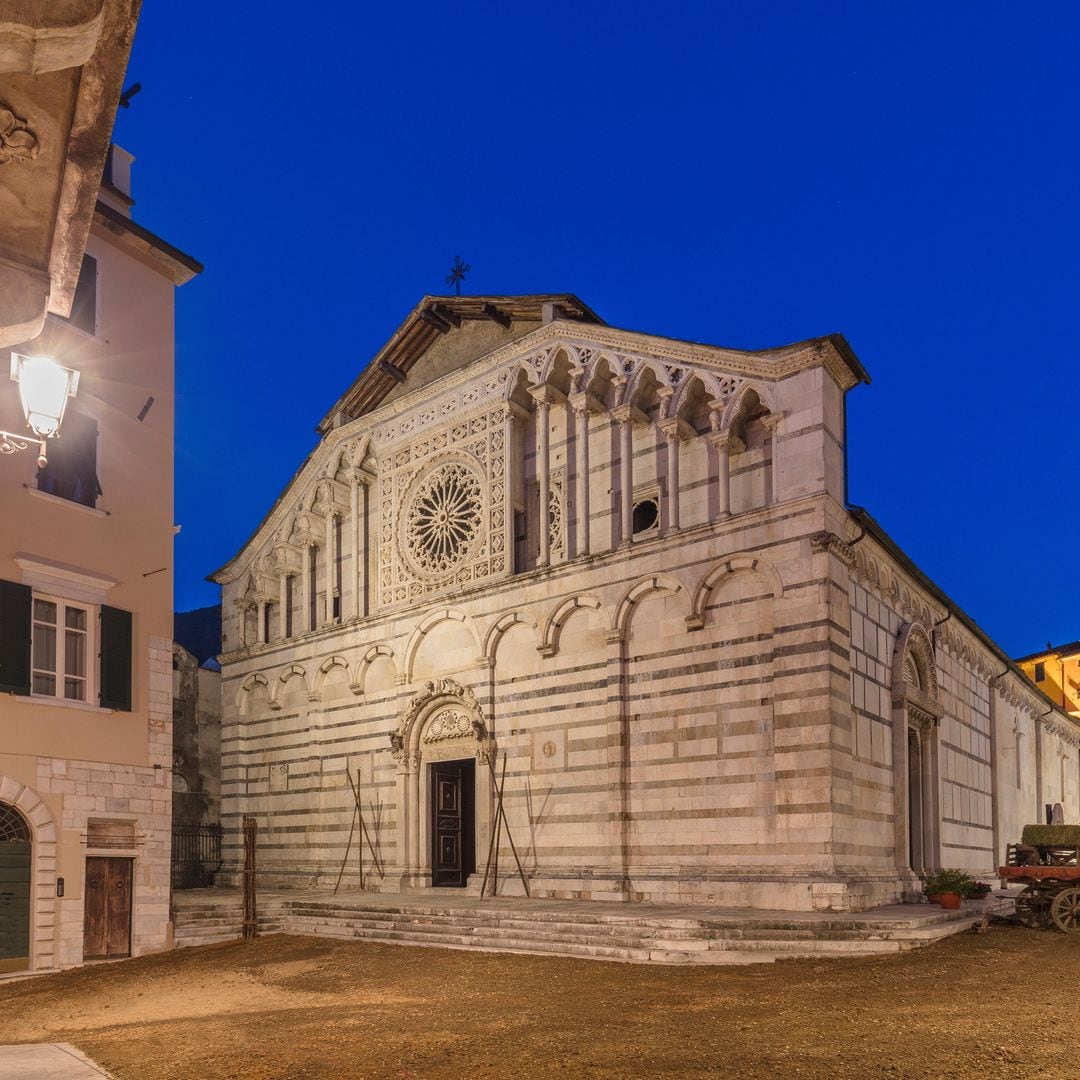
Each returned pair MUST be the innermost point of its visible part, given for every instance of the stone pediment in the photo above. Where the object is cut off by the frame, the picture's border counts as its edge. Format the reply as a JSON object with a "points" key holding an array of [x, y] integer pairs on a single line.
{"points": [[442, 334]]}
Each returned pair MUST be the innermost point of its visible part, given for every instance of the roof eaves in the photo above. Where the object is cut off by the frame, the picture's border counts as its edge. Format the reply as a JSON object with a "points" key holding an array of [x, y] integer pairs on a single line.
{"points": [[877, 531]]}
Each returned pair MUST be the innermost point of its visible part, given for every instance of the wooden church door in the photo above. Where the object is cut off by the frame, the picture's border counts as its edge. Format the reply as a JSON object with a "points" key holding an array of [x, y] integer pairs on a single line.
{"points": [[453, 858]]}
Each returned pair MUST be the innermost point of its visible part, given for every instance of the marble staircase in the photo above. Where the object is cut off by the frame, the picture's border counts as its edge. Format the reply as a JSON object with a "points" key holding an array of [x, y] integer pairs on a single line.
{"points": [[668, 934]]}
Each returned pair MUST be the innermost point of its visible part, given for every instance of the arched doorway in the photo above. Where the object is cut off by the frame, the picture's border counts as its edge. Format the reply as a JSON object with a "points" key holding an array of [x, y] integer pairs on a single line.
{"points": [[916, 713], [15, 869], [443, 751]]}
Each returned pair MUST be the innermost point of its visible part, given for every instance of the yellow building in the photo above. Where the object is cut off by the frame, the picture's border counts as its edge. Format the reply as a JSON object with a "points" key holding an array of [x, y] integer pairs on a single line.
{"points": [[1056, 672], [86, 589]]}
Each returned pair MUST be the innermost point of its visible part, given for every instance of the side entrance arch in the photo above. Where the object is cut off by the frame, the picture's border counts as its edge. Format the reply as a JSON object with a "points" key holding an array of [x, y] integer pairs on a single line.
{"points": [[15, 872], [916, 771], [442, 749]]}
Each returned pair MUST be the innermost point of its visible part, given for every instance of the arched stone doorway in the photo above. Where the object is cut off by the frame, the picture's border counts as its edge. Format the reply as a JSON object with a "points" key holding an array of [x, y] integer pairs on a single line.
{"points": [[916, 773], [15, 874], [443, 753]]}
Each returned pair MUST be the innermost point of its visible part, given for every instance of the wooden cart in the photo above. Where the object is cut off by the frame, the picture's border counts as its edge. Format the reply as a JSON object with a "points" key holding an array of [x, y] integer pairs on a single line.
{"points": [[1047, 863]]}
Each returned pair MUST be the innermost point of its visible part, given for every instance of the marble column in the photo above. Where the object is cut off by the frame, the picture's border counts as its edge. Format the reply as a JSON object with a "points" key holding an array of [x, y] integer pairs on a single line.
{"points": [[581, 474], [543, 474], [260, 629], [771, 423], [307, 591], [674, 432], [283, 604], [331, 567], [622, 415], [726, 444]]}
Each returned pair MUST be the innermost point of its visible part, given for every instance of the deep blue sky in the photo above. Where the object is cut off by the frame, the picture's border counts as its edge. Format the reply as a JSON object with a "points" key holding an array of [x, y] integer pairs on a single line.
{"points": [[742, 174]]}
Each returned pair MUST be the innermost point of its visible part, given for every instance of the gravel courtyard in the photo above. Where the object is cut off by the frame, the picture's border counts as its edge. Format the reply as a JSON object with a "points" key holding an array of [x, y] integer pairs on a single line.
{"points": [[1001, 1004]]}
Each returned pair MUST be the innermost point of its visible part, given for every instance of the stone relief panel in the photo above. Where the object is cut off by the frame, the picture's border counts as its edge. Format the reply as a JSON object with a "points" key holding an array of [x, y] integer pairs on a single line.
{"points": [[449, 724], [557, 515]]}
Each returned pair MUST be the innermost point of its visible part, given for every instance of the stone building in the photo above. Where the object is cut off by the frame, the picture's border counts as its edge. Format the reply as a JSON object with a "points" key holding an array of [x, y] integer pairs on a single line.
{"points": [[196, 749], [1056, 672], [622, 568], [86, 610]]}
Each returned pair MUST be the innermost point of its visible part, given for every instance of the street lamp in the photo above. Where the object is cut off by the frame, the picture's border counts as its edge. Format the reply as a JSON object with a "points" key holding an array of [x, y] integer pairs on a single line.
{"points": [[44, 389]]}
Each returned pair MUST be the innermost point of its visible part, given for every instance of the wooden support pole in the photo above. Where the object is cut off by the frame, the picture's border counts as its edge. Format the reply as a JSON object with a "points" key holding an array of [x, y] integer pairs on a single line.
{"points": [[251, 918]]}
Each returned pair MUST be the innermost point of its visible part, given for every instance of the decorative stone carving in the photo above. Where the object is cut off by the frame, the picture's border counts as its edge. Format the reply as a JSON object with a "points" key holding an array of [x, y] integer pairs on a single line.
{"points": [[459, 719], [17, 141], [443, 519], [914, 676], [449, 724], [831, 543]]}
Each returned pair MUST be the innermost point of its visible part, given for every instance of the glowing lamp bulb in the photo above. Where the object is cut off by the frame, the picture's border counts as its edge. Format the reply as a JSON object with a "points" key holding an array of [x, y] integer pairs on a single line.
{"points": [[44, 389]]}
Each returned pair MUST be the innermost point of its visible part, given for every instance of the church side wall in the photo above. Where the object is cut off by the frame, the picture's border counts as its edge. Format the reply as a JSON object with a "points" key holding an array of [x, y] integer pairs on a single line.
{"points": [[998, 757]]}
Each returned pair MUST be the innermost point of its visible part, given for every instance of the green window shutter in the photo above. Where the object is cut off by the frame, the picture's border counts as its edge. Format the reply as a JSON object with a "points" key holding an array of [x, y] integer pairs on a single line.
{"points": [[115, 659], [15, 616]]}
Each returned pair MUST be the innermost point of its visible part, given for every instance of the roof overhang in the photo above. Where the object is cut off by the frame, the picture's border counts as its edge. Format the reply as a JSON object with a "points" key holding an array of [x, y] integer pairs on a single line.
{"points": [[61, 72]]}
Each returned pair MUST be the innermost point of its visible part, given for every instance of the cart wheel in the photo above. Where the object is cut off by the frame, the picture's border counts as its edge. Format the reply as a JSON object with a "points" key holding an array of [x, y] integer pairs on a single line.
{"points": [[1033, 908], [1065, 911]]}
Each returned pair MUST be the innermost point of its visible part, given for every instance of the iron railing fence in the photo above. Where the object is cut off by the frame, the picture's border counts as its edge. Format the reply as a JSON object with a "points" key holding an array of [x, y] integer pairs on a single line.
{"points": [[196, 855]]}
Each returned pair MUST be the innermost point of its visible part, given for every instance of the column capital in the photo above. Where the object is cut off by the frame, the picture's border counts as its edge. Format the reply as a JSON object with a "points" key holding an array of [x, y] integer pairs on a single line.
{"points": [[675, 429], [584, 403], [546, 395], [359, 477], [726, 440], [628, 414], [514, 411]]}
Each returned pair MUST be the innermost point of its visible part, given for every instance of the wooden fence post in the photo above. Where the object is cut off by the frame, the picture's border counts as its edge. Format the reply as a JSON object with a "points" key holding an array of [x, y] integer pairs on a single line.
{"points": [[251, 919]]}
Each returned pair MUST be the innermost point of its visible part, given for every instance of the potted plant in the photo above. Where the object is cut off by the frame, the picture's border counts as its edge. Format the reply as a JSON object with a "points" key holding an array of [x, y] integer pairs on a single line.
{"points": [[952, 886], [980, 890], [930, 888]]}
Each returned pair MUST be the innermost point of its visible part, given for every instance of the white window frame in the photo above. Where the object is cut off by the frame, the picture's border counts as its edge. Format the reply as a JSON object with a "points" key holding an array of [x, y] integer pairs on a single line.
{"points": [[62, 604]]}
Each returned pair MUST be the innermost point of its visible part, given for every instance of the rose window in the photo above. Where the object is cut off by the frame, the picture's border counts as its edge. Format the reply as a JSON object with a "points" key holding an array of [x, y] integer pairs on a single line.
{"points": [[443, 519]]}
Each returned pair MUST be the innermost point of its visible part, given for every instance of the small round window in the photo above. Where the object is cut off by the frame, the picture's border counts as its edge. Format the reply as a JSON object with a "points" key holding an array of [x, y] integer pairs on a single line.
{"points": [[646, 515]]}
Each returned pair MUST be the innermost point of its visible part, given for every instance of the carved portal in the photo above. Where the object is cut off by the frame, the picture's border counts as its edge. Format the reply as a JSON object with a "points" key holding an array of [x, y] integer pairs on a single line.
{"points": [[443, 722], [916, 714]]}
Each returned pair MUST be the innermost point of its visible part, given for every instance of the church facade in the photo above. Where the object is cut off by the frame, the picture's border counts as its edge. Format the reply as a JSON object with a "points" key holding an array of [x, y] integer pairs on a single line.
{"points": [[613, 577]]}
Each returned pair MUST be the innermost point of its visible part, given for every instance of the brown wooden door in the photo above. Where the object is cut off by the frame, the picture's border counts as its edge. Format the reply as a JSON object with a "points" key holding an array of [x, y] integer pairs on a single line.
{"points": [[453, 846], [107, 923]]}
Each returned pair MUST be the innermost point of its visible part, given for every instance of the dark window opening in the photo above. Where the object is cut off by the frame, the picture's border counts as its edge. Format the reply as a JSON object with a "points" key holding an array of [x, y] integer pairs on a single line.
{"points": [[288, 606], [266, 624], [72, 469], [84, 304], [1040, 672], [521, 533], [337, 567], [646, 515], [313, 598]]}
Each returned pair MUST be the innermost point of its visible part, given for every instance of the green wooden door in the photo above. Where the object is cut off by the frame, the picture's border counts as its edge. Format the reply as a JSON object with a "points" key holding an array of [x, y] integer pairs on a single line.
{"points": [[14, 906]]}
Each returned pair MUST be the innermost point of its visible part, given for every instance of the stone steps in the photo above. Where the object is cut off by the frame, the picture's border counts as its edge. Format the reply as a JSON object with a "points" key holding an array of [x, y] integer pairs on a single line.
{"points": [[726, 939]]}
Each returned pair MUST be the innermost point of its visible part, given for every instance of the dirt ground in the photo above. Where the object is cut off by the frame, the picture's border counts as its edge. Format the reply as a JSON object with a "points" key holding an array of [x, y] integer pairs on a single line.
{"points": [[1002, 1004]]}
